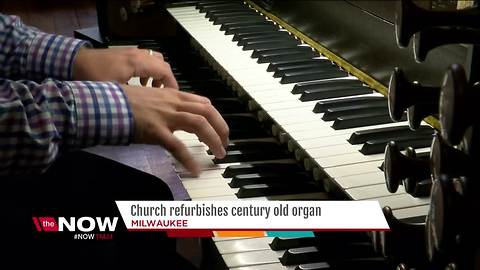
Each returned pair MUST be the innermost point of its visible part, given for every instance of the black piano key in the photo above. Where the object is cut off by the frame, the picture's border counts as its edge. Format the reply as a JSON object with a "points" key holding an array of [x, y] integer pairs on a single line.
{"points": [[243, 133], [250, 28], [323, 105], [228, 105], [201, 4], [334, 92], [233, 25], [276, 66], [278, 35], [265, 144], [238, 18], [362, 120], [211, 94], [210, 13], [252, 31], [371, 263], [241, 36], [311, 75], [240, 119], [279, 243], [287, 166], [272, 67], [321, 238], [284, 51], [203, 8], [259, 52], [215, 14], [313, 254], [250, 155], [271, 189], [331, 84], [378, 146], [199, 73], [220, 8], [263, 52], [201, 86], [313, 266], [361, 136], [262, 178], [284, 56], [279, 72], [421, 189], [271, 44], [301, 255], [333, 113]]}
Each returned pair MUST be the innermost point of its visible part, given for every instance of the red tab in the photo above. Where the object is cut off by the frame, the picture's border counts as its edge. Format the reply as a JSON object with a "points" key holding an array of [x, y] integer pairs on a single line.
{"points": [[49, 224], [37, 224]]}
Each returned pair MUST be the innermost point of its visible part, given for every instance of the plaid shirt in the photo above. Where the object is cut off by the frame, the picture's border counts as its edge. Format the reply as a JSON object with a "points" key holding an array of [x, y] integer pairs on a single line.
{"points": [[41, 117]]}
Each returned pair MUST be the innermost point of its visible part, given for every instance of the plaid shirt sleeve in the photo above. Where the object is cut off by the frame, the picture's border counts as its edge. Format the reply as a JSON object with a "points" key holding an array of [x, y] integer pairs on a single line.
{"points": [[27, 53], [39, 117]]}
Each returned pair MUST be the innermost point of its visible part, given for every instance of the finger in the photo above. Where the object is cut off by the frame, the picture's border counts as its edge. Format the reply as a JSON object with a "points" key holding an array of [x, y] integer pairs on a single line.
{"points": [[168, 79], [159, 70], [179, 151], [158, 55], [144, 81], [199, 125], [212, 116], [189, 97]]}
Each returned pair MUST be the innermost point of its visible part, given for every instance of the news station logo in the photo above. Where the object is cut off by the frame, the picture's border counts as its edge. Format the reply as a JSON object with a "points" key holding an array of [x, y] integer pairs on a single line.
{"points": [[84, 228]]}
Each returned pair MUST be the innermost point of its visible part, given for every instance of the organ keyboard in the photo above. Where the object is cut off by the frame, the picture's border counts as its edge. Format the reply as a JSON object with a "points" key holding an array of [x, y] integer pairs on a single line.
{"points": [[267, 91], [332, 120], [356, 173]]}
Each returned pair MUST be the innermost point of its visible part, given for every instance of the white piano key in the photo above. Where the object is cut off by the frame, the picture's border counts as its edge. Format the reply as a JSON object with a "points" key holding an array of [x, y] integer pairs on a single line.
{"points": [[218, 198], [209, 174], [402, 201], [270, 266], [219, 239], [367, 179], [209, 183], [353, 169], [244, 245], [417, 211], [251, 258], [224, 190], [371, 192], [346, 159], [205, 162]]}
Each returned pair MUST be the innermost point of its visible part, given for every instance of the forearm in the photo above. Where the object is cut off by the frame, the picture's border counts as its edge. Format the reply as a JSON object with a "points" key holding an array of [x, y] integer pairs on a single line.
{"points": [[38, 121]]}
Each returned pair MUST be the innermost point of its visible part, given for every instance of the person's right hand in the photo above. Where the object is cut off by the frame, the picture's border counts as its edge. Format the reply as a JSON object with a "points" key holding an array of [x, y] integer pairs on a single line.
{"points": [[158, 113]]}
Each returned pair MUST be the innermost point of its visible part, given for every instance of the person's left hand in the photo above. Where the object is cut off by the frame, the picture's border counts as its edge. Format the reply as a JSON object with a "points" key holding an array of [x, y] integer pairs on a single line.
{"points": [[121, 64]]}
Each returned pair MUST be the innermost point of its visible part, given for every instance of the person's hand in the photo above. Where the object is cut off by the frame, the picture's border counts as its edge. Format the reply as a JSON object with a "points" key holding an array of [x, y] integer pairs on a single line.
{"points": [[121, 64], [159, 112]]}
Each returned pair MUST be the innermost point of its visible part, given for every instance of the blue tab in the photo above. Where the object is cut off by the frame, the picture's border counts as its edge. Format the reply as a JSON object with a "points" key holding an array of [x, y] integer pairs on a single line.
{"points": [[290, 234]]}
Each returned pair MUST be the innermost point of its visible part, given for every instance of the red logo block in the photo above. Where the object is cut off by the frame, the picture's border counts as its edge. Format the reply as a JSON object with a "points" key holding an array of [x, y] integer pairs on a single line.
{"points": [[47, 224]]}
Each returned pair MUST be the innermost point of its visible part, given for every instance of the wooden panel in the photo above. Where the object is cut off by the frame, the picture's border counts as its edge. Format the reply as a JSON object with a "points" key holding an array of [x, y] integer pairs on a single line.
{"points": [[65, 19], [86, 13], [53, 16], [13, 7], [40, 16]]}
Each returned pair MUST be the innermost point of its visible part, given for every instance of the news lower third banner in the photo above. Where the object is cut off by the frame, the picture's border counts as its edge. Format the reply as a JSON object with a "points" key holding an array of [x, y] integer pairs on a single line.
{"points": [[251, 218]]}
